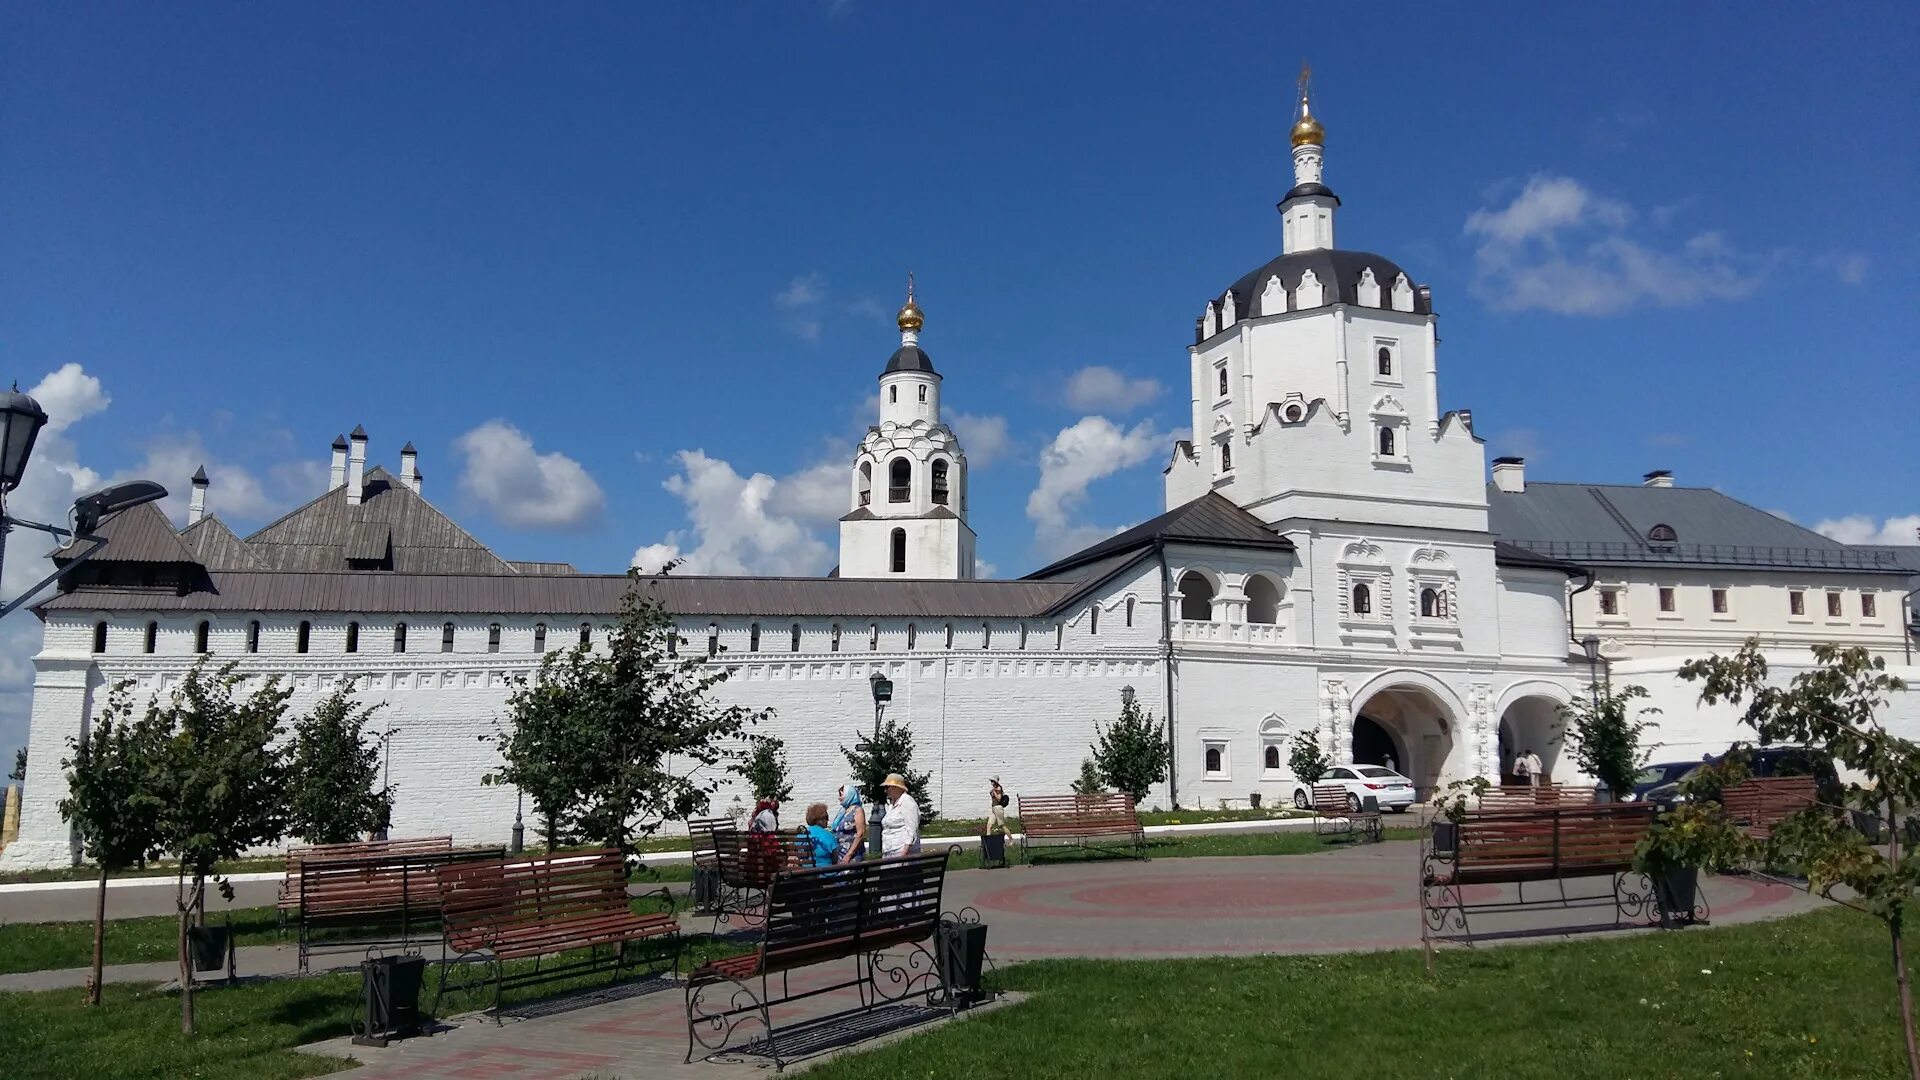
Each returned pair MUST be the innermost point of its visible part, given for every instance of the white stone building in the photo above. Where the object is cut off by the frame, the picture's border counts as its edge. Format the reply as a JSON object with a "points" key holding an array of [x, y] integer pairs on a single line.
{"points": [[1332, 559]]}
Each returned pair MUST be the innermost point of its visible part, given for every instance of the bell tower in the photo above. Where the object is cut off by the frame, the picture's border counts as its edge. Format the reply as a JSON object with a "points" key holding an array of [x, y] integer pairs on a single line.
{"points": [[909, 485]]}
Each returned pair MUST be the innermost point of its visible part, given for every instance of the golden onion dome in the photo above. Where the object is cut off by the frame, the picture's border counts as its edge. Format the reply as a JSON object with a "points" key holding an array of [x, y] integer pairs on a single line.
{"points": [[1308, 130], [910, 317]]}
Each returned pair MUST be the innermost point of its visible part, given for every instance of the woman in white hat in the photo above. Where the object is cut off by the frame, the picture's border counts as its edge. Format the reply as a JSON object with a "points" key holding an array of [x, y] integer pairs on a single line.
{"points": [[900, 828]]}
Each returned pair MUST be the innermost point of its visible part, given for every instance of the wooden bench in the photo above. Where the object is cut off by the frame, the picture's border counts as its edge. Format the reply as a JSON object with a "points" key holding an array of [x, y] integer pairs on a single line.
{"points": [[289, 899], [521, 909], [1758, 804], [1337, 810], [1527, 797], [852, 913], [746, 864], [1517, 847], [388, 897], [1080, 819]]}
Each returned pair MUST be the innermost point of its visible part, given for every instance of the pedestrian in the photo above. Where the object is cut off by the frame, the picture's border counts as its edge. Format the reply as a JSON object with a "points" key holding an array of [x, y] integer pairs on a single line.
{"points": [[763, 837], [900, 828], [1389, 764], [1533, 767], [996, 807], [850, 825], [823, 845]]}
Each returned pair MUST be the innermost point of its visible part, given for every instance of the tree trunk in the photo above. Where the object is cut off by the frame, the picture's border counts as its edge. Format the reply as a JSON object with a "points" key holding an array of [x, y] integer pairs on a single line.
{"points": [[99, 937], [185, 903]]}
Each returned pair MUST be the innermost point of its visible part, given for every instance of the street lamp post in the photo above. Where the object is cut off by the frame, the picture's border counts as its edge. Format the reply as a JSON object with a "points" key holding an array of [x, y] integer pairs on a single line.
{"points": [[519, 828], [21, 419], [882, 695], [1591, 645]]}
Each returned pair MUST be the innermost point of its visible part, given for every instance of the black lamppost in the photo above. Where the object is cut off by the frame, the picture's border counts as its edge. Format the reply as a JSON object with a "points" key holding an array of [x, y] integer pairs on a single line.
{"points": [[519, 828], [1591, 644], [882, 695], [21, 419]]}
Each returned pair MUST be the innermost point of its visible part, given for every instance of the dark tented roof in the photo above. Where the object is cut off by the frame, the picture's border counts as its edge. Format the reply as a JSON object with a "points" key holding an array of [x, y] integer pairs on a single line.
{"points": [[1210, 519], [215, 546], [1338, 272], [327, 532], [589, 594], [910, 358], [140, 535], [1612, 524]]}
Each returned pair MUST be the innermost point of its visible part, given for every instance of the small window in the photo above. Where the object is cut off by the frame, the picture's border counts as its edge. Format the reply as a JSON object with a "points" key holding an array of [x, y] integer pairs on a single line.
{"points": [[1386, 442], [713, 639], [1609, 601], [539, 637], [834, 644], [1093, 620], [794, 644], [399, 637], [1362, 600], [1295, 414], [1385, 361], [1433, 603], [912, 635], [1833, 605], [1867, 606], [1719, 601], [1797, 602], [586, 634], [986, 635], [753, 637], [1223, 380], [900, 481], [1129, 611], [923, 394], [897, 543], [1272, 758], [893, 395], [1216, 759], [100, 637], [153, 636], [873, 637], [493, 638], [1668, 601], [1226, 457], [949, 635], [446, 637], [253, 636], [673, 642], [301, 637], [940, 483], [353, 637], [201, 630], [1663, 534], [1023, 636]]}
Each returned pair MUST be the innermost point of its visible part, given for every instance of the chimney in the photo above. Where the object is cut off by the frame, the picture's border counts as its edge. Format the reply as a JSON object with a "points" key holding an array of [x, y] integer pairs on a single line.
{"points": [[410, 467], [1510, 475], [357, 465], [197, 509], [338, 477], [1658, 478]]}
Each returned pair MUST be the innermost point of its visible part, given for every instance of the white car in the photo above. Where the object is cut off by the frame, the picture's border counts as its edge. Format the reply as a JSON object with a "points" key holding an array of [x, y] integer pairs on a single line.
{"points": [[1391, 790]]}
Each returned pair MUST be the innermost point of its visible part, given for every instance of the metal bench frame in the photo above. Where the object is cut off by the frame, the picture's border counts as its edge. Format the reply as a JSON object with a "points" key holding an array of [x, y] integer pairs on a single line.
{"points": [[747, 863], [1334, 813], [1080, 820], [390, 894]]}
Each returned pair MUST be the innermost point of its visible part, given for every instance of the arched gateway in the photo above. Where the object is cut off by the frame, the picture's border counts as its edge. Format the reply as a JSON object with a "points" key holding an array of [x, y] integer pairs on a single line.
{"points": [[1414, 718]]}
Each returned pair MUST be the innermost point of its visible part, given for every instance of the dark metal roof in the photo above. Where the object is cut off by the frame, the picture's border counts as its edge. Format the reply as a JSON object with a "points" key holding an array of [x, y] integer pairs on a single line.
{"points": [[215, 546], [140, 535], [1505, 554], [1338, 272], [1303, 190], [588, 594], [521, 566], [910, 358], [369, 541], [1210, 519], [328, 531], [200, 475], [1613, 524], [339, 442]]}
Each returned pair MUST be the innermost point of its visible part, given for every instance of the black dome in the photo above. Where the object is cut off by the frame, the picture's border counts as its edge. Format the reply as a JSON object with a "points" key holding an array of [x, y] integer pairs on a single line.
{"points": [[910, 358], [1300, 190], [1339, 274]]}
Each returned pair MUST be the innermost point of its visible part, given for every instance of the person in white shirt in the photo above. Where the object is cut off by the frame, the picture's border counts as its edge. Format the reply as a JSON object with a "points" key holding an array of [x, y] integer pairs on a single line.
{"points": [[900, 828]]}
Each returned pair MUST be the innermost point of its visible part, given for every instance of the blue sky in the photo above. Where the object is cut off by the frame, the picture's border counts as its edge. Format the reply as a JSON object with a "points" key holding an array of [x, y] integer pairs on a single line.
{"points": [[605, 267]]}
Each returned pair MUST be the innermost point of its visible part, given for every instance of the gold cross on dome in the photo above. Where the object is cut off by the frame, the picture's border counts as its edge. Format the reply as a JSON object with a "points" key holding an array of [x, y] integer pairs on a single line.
{"points": [[1306, 75]]}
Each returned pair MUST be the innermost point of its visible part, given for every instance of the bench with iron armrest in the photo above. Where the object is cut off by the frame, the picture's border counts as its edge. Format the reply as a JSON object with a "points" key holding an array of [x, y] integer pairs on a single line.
{"points": [[530, 909], [289, 898], [706, 863], [1758, 804], [1527, 797], [746, 863], [392, 898], [850, 913], [1081, 819], [1518, 847], [1337, 810]]}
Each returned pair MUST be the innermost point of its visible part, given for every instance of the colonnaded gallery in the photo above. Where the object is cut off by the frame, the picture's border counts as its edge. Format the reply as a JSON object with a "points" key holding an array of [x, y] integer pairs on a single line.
{"points": [[1334, 556]]}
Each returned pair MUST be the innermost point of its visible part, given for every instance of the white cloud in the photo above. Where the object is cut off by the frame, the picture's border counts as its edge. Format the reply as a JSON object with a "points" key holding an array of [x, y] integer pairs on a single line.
{"points": [[984, 569], [1849, 266], [1559, 247], [983, 439], [1092, 449], [234, 491], [1097, 387], [749, 525], [800, 302], [1863, 529], [521, 486]]}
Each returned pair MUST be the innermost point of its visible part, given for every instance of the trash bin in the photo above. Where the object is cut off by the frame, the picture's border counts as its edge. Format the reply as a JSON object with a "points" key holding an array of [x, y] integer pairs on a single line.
{"points": [[211, 948], [961, 948], [390, 999], [993, 850]]}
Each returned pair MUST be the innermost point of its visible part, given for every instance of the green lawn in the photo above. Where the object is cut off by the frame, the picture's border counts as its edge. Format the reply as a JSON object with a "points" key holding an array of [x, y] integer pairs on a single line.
{"points": [[1808, 997]]}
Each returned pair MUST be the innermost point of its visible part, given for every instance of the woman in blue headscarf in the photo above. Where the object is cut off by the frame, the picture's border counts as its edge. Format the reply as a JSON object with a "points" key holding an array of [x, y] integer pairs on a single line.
{"points": [[850, 825]]}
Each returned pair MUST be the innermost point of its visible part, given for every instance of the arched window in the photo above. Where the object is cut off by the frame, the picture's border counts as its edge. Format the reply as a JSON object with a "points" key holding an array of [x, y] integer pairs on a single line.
{"points": [[866, 482], [1093, 620], [794, 645], [940, 483], [912, 634], [900, 480], [301, 637], [253, 636], [1263, 600], [949, 636], [923, 393], [1023, 635], [200, 631], [353, 637], [835, 642], [100, 637], [1129, 611], [1362, 600], [1223, 380], [493, 637], [1386, 360], [1196, 597], [713, 639], [1272, 761], [586, 634], [1386, 442], [539, 637], [1213, 759], [753, 637], [446, 637], [399, 637], [897, 542], [893, 394], [1226, 457], [1663, 534], [673, 642], [153, 637], [986, 635], [873, 637], [1433, 604]]}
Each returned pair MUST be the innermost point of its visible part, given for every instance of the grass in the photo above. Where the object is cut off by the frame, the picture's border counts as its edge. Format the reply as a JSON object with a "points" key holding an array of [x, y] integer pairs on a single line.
{"points": [[1808, 997]]}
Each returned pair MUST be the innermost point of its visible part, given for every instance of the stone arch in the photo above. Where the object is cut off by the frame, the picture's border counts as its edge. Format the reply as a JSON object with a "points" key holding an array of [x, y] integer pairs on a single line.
{"points": [[1421, 719], [1264, 595], [1199, 591], [1528, 718]]}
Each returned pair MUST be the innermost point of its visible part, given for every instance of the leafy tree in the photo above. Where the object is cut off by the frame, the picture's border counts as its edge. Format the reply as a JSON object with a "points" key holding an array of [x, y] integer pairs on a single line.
{"points": [[1132, 752], [1089, 782], [332, 772], [219, 788], [871, 759], [1308, 761], [112, 802], [1834, 707], [613, 742], [766, 768], [1604, 731], [19, 766]]}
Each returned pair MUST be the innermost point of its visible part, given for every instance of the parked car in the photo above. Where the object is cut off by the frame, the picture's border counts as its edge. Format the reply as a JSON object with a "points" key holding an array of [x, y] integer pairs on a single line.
{"points": [[1659, 774], [1392, 791], [1764, 761]]}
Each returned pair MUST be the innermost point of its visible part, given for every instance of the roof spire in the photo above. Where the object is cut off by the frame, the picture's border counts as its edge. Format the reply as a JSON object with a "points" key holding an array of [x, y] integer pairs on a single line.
{"points": [[1307, 129], [911, 318]]}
